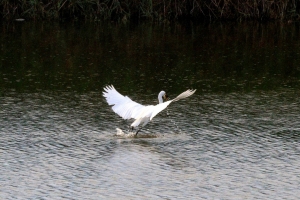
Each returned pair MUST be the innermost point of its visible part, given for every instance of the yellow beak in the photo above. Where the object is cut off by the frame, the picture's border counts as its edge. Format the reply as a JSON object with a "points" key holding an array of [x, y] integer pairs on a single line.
{"points": [[166, 97]]}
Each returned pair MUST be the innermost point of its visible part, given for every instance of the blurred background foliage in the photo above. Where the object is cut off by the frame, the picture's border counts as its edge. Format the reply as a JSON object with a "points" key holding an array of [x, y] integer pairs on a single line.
{"points": [[159, 10]]}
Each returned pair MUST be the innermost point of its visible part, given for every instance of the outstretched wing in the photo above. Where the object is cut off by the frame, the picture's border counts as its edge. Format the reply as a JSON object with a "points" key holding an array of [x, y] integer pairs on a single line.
{"points": [[159, 108], [184, 95], [162, 106], [122, 105]]}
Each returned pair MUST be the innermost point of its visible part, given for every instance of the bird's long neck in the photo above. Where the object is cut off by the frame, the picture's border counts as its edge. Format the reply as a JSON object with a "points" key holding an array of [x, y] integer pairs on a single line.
{"points": [[160, 99]]}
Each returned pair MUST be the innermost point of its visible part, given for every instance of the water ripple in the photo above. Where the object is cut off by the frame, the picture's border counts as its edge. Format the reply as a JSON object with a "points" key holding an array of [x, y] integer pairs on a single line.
{"points": [[229, 146]]}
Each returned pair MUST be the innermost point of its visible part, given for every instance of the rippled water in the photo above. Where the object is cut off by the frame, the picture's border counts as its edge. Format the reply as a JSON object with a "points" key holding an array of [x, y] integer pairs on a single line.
{"points": [[237, 137], [225, 146]]}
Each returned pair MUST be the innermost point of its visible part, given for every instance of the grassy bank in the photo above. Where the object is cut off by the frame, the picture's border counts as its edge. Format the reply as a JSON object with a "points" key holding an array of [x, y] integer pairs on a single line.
{"points": [[150, 9]]}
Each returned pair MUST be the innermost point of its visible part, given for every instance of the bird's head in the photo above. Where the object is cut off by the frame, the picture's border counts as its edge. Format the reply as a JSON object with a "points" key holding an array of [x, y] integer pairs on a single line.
{"points": [[162, 96], [166, 97]]}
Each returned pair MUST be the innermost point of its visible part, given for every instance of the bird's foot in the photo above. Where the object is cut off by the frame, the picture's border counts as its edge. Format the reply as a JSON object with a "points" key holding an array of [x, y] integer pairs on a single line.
{"points": [[137, 132]]}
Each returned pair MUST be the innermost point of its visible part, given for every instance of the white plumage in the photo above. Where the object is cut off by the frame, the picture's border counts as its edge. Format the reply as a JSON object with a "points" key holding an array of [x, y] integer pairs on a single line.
{"points": [[128, 109]]}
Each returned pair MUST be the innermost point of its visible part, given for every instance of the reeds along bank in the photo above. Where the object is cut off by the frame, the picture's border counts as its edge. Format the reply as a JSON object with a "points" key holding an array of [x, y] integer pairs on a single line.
{"points": [[150, 9]]}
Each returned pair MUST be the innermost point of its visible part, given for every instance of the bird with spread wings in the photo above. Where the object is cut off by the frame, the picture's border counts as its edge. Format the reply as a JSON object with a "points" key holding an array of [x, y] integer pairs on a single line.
{"points": [[128, 109]]}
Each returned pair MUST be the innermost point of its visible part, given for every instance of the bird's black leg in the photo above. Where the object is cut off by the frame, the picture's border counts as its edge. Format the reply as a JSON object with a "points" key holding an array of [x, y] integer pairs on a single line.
{"points": [[137, 131]]}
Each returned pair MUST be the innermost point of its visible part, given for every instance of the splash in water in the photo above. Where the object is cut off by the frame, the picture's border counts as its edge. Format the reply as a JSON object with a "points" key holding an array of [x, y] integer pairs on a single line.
{"points": [[121, 133], [129, 134]]}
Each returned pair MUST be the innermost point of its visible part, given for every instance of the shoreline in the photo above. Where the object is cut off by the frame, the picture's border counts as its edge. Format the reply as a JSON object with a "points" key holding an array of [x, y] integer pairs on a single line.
{"points": [[160, 10]]}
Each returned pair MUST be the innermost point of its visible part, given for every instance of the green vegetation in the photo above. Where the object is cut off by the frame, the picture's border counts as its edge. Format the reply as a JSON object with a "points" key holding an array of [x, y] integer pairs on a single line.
{"points": [[118, 10]]}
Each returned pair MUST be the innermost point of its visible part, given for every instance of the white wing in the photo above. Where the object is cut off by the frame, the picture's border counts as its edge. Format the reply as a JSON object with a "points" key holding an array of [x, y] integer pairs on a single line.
{"points": [[159, 108], [122, 105], [184, 95], [162, 106]]}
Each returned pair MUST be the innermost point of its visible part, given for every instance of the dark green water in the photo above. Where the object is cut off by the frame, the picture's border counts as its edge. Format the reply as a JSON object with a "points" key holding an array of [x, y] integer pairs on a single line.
{"points": [[237, 137], [212, 57]]}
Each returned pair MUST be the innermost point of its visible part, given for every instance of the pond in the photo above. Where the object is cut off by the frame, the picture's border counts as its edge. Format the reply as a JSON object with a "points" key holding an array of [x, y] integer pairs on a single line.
{"points": [[237, 137]]}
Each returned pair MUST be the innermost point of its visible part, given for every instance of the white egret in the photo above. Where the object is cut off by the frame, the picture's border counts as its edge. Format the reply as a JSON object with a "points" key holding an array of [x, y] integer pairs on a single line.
{"points": [[128, 109]]}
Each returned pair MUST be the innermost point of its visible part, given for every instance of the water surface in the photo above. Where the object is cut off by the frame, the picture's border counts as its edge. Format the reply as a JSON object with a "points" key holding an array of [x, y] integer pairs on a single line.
{"points": [[237, 137]]}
